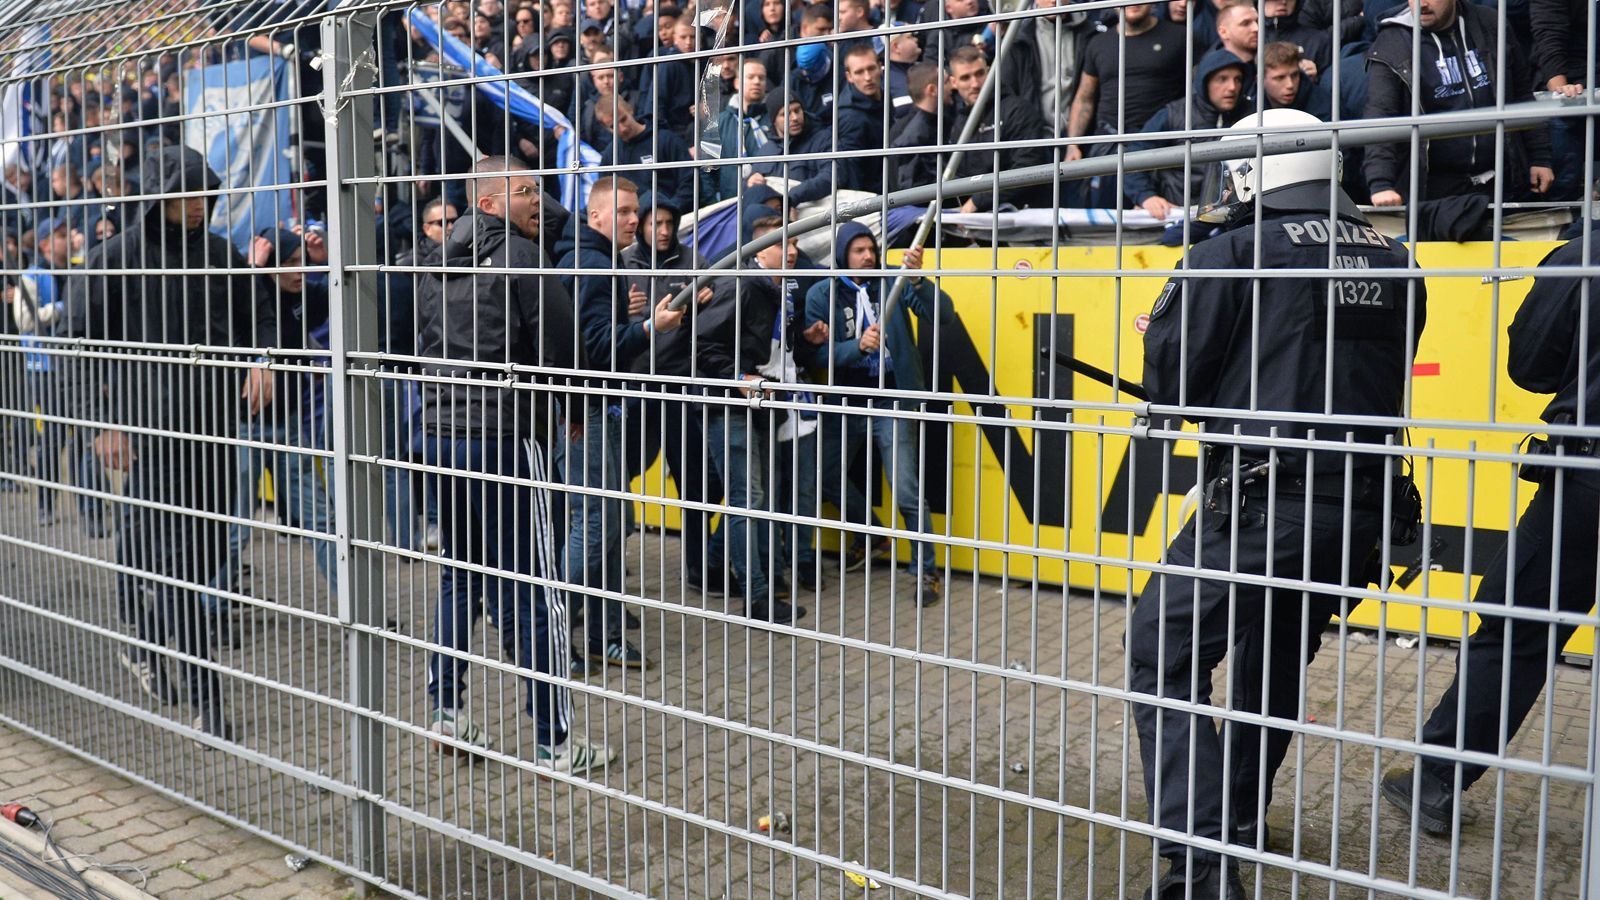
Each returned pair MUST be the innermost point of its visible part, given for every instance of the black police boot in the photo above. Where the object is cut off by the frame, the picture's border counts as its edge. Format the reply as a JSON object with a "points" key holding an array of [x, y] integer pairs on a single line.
{"points": [[778, 613], [1203, 879], [1434, 802]]}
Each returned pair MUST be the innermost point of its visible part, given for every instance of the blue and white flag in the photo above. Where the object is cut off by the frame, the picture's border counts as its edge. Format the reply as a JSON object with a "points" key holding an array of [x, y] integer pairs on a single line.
{"points": [[21, 114], [514, 99], [247, 150]]}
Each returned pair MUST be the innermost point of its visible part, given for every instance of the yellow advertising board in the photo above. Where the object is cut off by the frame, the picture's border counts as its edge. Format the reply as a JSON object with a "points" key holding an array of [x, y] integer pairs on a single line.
{"points": [[1107, 496]]}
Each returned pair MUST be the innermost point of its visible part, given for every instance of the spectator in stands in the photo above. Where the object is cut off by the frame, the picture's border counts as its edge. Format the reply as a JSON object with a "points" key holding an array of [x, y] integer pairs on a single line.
{"points": [[1562, 30], [526, 23], [66, 185], [812, 77], [1019, 121], [1156, 70], [556, 88], [562, 15], [1458, 65], [669, 426], [855, 17], [1216, 102], [38, 303], [1287, 86], [743, 127], [683, 36], [798, 134], [667, 89], [905, 51], [1060, 41], [734, 333], [938, 44], [1282, 21], [635, 143], [931, 91], [613, 341], [16, 193], [592, 39], [598, 83], [486, 40], [1239, 30], [869, 348], [600, 13], [794, 483], [860, 118]]}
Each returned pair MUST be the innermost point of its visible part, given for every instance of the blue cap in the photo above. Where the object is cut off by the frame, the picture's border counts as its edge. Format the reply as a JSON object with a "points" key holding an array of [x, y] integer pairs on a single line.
{"points": [[285, 243], [50, 225], [811, 57]]}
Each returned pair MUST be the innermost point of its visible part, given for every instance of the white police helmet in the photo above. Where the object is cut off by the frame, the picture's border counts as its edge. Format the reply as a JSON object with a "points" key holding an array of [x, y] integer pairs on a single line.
{"points": [[1249, 176]]}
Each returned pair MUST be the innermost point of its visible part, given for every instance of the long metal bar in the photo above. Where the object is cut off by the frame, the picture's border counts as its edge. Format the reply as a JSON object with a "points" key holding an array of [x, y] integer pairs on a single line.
{"points": [[355, 413]]}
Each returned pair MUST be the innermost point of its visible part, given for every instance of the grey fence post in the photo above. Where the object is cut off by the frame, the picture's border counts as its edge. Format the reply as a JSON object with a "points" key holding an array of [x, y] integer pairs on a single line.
{"points": [[348, 64]]}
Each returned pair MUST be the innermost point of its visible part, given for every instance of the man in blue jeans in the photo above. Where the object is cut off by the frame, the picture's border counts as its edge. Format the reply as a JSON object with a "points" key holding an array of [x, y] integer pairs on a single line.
{"points": [[494, 505], [286, 425], [864, 351], [615, 336]]}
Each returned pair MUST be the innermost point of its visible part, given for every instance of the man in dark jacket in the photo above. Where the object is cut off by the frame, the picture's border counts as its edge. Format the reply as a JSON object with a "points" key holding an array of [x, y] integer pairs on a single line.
{"points": [[872, 349], [798, 134], [1562, 30], [637, 143], [1281, 21], [860, 118], [1503, 666], [1019, 121], [178, 418], [1285, 84], [743, 127], [477, 325], [668, 426], [1457, 70], [918, 128], [617, 329], [1216, 101]]}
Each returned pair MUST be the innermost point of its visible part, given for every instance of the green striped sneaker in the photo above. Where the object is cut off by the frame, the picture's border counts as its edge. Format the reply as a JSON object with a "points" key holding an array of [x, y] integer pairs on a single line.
{"points": [[575, 756], [448, 723]]}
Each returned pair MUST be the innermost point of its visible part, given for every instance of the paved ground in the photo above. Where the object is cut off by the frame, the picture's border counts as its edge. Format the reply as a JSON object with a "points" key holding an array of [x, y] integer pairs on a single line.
{"points": [[177, 850], [917, 743]]}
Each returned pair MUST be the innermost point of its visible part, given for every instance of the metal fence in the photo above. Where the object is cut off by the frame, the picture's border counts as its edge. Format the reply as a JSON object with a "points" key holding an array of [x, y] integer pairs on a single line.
{"points": [[813, 450]]}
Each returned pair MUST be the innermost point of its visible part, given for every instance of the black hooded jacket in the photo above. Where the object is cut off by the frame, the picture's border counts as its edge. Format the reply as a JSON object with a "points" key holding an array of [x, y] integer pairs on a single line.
{"points": [[1020, 120], [1469, 48], [660, 274], [213, 307], [1169, 183], [815, 176], [1548, 332], [491, 319]]}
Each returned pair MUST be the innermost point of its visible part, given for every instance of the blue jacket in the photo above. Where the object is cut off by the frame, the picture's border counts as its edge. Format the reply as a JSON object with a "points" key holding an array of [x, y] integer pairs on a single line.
{"points": [[861, 127], [834, 301], [756, 131], [652, 147], [611, 340]]}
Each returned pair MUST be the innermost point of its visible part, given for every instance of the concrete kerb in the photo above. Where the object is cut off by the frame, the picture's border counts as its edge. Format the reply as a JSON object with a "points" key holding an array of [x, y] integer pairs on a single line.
{"points": [[104, 882]]}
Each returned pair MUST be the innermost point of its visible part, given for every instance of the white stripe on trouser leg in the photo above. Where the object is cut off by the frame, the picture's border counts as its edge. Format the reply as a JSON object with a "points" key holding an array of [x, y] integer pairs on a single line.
{"points": [[555, 602]]}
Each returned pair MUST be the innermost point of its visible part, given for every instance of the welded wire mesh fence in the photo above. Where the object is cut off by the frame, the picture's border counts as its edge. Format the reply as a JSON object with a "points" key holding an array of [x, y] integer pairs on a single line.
{"points": [[811, 450]]}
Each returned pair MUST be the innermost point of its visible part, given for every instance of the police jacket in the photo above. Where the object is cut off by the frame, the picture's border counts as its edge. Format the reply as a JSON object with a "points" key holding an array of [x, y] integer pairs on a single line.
{"points": [[658, 274], [1169, 183], [1547, 331], [491, 319], [1019, 121], [212, 306], [1469, 50], [1210, 344]]}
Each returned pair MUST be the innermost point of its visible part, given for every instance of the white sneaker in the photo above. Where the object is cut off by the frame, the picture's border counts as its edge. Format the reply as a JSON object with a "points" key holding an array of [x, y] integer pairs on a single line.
{"points": [[431, 539], [448, 723], [576, 756]]}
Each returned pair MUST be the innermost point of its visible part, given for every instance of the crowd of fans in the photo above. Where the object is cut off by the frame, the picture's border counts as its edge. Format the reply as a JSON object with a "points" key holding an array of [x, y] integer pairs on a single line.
{"points": [[778, 107]]}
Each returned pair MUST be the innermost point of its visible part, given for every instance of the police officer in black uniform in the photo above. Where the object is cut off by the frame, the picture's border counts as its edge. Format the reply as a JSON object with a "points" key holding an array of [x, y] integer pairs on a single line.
{"points": [[1302, 347], [1551, 352]]}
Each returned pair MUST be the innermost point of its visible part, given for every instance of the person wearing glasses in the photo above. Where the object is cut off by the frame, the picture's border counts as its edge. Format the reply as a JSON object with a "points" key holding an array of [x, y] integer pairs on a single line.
{"points": [[484, 310]]}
